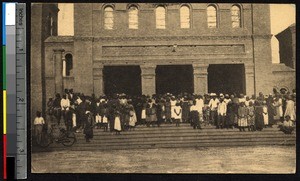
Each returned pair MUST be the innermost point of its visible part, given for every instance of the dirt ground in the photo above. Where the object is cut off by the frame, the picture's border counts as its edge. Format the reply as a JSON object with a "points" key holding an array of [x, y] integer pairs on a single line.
{"points": [[260, 159]]}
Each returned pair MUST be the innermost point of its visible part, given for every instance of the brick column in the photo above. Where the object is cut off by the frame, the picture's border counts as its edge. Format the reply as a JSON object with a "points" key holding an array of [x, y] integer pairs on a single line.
{"points": [[148, 79], [249, 76], [200, 78], [98, 80], [58, 70]]}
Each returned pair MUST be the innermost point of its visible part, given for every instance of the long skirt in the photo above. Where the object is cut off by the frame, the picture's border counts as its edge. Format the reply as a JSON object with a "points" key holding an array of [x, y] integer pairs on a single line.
{"points": [[259, 122], [230, 119], [117, 124], [88, 131], [251, 120], [266, 119], [242, 122]]}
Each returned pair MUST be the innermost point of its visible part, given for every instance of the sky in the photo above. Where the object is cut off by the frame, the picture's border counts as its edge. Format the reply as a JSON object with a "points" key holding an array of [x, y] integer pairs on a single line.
{"points": [[281, 16]]}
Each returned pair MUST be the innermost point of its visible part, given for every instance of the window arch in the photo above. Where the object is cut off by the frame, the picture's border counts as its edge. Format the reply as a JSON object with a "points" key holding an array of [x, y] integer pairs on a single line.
{"points": [[236, 16], [133, 17], [108, 18], [160, 17], [69, 64], [185, 20], [211, 16]]}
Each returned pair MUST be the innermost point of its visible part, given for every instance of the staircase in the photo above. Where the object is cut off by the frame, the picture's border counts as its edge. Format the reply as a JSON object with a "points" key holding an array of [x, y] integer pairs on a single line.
{"points": [[170, 136]]}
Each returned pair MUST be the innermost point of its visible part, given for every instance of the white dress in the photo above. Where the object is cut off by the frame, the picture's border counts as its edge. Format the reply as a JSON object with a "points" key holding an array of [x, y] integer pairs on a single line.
{"points": [[173, 103], [265, 115], [290, 110], [117, 125], [177, 109]]}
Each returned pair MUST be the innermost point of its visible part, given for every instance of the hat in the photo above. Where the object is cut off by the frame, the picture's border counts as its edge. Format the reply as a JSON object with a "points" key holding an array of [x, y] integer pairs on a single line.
{"points": [[213, 94], [221, 95]]}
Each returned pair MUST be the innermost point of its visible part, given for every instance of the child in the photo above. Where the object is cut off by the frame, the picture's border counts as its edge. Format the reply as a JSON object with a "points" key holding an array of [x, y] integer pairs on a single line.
{"points": [[38, 126], [178, 114], [88, 129]]}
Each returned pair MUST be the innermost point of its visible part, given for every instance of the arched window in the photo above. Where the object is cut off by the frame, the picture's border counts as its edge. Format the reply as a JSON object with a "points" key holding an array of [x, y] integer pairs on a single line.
{"points": [[211, 16], [160, 16], [185, 17], [69, 64], [236, 16], [133, 17], [108, 18]]}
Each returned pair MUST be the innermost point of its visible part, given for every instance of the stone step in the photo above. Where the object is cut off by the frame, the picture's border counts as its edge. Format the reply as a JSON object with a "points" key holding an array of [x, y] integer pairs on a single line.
{"points": [[190, 139], [170, 136], [119, 138], [168, 145], [175, 133]]}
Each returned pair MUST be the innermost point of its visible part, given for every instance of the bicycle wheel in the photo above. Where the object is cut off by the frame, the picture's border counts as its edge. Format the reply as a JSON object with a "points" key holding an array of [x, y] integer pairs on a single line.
{"points": [[43, 139], [69, 139]]}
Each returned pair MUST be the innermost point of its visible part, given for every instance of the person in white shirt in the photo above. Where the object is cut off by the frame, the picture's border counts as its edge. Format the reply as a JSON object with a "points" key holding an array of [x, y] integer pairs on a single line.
{"points": [[213, 105], [195, 122], [65, 106], [222, 109], [38, 123], [200, 105]]}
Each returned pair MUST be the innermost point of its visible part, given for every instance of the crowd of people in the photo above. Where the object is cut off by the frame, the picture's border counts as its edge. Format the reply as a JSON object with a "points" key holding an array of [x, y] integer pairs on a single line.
{"points": [[120, 112]]}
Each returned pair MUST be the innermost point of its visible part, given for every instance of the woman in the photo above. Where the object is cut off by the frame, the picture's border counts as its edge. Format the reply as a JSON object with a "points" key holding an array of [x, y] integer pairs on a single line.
{"points": [[153, 117], [117, 123], [168, 111], [265, 114], [88, 128], [242, 116], [132, 118], [278, 109], [259, 120], [290, 109], [251, 117], [185, 110]]}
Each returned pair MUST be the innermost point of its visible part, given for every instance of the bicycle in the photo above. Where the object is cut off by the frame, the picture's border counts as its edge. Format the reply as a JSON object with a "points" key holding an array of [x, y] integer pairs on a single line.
{"points": [[66, 138]]}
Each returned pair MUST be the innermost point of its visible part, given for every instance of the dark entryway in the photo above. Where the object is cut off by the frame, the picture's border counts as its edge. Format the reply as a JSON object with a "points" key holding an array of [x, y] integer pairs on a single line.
{"points": [[174, 79], [226, 78], [122, 79]]}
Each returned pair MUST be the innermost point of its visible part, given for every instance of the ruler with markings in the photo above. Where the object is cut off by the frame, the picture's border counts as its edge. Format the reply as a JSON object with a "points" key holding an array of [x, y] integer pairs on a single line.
{"points": [[21, 91]]}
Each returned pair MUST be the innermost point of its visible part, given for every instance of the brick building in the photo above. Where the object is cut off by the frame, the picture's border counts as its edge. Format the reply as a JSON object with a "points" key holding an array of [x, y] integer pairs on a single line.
{"points": [[149, 48]]}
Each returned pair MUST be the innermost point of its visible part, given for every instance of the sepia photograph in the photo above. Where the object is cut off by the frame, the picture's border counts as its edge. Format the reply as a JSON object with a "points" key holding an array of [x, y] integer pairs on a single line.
{"points": [[198, 88]]}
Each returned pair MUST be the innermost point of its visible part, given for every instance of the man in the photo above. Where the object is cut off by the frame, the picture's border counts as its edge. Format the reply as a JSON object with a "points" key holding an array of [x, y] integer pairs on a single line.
{"points": [[200, 105], [213, 105], [65, 106], [222, 109]]}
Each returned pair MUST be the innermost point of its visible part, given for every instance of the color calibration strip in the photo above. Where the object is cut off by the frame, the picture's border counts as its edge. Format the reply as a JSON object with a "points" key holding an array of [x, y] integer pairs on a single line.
{"points": [[9, 89], [4, 86], [14, 91]]}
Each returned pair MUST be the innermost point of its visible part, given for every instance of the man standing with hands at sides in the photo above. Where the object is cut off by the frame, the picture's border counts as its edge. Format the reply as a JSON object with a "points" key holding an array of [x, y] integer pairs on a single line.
{"points": [[222, 109], [213, 105]]}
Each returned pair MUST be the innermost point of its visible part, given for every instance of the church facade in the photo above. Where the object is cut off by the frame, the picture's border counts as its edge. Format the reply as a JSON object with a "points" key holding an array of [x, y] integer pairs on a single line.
{"points": [[146, 48]]}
